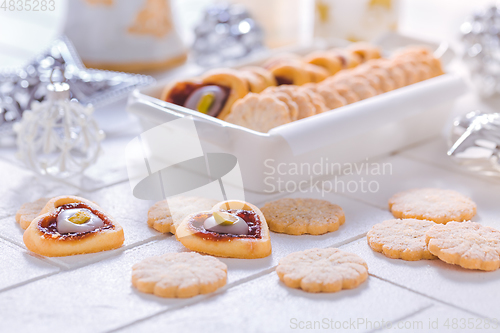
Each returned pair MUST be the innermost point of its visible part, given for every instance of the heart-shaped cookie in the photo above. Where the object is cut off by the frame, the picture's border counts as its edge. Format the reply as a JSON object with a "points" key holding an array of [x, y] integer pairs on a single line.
{"points": [[219, 232], [70, 225]]}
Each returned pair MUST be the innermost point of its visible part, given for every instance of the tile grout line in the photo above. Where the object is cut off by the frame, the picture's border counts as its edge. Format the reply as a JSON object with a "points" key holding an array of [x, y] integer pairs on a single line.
{"points": [[154, 239], [400, 319], [342, 194], [111, 254], [456, 171], [269, 271], [250, 278], [66, 269], [429, 297], [26, 282], [348, 240], [414, 145], [238, 282], [197, 300], [34, 255]]}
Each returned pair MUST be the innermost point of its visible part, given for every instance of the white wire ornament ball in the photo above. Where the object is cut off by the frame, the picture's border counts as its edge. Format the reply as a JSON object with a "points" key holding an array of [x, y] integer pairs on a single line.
{"points": [[58, 137]]}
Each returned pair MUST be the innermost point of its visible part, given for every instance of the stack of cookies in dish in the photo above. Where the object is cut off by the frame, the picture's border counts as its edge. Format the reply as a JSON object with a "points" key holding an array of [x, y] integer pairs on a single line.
{"points": [[271, 108], [215, 92], [289, 87]]}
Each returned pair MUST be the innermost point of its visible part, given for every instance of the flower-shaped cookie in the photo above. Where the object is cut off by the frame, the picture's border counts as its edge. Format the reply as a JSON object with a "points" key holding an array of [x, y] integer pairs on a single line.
{"points": [[401, 239], [467, 244], [433, 204], [179, 275], [259, 112], [322, 270]]}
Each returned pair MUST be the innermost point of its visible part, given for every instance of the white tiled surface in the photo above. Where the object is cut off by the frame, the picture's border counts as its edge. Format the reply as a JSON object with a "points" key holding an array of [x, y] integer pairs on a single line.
{"points": [[265, 304], [396, 291], [92, 293], [442, 318], [433, 152], [407, 174], [463, 288], [21, 266]]}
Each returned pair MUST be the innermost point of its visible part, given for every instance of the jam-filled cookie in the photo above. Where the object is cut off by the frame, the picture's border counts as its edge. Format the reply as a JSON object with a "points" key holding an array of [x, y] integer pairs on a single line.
{"points": [[365, 51], [234, 229], [325, 59], [70, 225], [266, 75], [164, 216], [347, 58], [213, 94]]}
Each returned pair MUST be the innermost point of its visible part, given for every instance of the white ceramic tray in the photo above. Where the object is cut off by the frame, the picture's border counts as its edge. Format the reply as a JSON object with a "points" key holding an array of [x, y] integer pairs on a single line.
{"points": [[349, 134]]}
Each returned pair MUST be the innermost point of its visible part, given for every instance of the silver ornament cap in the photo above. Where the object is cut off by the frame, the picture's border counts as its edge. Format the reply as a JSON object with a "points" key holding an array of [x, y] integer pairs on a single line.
{"points": [[57, 91]]}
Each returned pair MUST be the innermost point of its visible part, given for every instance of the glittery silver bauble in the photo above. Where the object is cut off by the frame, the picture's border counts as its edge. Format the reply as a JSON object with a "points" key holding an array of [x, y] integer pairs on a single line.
{"points": [[475, 142], [481, 38], [227, 32]]}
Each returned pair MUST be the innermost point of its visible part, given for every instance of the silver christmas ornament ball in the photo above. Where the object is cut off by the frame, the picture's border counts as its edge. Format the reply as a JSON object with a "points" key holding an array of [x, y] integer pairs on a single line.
{"points": [[226, 33]]}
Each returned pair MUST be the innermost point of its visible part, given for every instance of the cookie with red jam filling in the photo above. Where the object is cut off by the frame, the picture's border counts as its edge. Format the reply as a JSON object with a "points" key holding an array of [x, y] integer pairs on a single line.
{"points": [[232, 229], [213, 94], [70, 225]]}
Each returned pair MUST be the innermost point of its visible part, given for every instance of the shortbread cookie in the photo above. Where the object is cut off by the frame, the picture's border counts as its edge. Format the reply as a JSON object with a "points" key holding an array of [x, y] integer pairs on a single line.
{"points": [[331, 97], [259, 112], [179, 275], [305, 106], [164, 216], [346, 93], [360, 86], [401, 239], [322, 270], [70, 225], [396, 74], [317, 101], [467, 244], [303, 216], [28, 211], [293, 108], [440, 206], [386, 82], [411, 75], [233, 229], [371, 79]]}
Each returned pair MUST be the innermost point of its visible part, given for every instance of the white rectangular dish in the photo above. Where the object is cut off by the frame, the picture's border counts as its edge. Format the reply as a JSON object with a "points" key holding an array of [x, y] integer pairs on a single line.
{"points": [[352, 133]]}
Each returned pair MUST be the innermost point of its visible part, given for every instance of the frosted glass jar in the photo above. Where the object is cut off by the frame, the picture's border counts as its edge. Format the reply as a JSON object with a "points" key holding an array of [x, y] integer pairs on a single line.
{"points": [[355, 20], [131, 36]]}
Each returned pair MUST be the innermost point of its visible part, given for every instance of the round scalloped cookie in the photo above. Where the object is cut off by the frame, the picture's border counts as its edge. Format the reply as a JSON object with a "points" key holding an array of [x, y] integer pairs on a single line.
{"points": [[433, 204]]}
